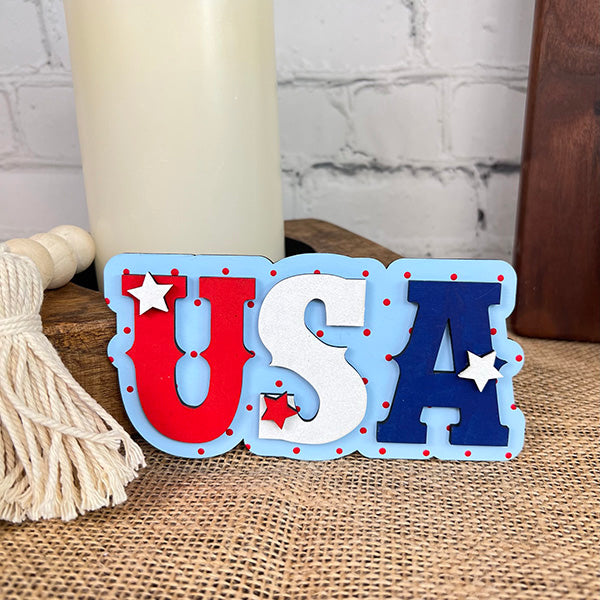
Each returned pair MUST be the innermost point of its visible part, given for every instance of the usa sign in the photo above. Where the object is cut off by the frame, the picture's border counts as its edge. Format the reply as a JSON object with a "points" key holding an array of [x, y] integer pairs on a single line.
{"points": [[317, 356]]}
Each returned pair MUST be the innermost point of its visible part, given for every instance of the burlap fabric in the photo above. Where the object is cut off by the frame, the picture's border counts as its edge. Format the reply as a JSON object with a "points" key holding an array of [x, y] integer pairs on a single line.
{"points": [[240, 526]]}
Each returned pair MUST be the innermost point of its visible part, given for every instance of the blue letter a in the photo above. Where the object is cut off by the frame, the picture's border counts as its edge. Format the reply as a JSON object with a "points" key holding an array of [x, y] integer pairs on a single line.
{"points": [[464, 307]]}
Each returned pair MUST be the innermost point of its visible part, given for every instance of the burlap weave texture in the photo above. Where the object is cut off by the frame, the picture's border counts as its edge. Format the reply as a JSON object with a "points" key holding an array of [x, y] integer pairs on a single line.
{"points": [[240, 526]]}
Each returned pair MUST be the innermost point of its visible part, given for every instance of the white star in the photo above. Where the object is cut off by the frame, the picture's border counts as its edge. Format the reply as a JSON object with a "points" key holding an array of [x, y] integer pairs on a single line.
{"points": [[151, 294], [481, 369]]}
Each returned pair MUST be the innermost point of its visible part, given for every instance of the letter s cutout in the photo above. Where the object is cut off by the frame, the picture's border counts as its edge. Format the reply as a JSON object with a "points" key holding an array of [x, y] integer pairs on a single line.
{"points": [[282, 329]]}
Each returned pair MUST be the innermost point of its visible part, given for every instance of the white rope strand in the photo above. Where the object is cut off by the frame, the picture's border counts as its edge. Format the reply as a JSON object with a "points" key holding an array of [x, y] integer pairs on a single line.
{"points": [[61, 453]]}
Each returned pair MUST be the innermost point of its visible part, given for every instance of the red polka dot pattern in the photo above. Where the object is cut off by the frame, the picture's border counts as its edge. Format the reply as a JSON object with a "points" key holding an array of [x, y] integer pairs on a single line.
{"points": [[382, 451], [426, 453], [200, 451], [386, 302], [518, 358], [225, 271], [365, 380], [229, 432], [388, 357], [454, 276], [407, 275], [273, 273], [365, 273], [279, 383], [197, 302], [363, 430], [339, 450], [467, 453], [248, 407], [493, 331], [127, 330], [130, 388], [193, 354], [296, 450], [320, 333], [367, 332], [174, 272]]}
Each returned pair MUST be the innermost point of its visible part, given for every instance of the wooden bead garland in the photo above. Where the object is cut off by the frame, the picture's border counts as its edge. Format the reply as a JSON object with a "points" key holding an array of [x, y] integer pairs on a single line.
{"points": [[58, 254]]}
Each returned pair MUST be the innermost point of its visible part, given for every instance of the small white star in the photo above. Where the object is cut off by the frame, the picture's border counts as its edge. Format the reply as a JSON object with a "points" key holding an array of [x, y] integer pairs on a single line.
{"points": [[481, 369], [151, 294]]}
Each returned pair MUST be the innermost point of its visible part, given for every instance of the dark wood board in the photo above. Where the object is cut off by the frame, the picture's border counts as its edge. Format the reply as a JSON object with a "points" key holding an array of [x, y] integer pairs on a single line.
{"points": [[557, 250], [80, 325]]}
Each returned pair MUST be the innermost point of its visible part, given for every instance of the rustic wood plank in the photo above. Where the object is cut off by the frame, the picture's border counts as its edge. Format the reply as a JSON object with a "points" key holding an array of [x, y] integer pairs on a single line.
{"points": [[557, 251], [79, 324]]}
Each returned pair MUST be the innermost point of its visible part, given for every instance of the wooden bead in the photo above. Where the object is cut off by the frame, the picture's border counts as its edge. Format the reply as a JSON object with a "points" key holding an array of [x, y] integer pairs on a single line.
{"points": [[81, 243], [63, 258], [37, 253]]}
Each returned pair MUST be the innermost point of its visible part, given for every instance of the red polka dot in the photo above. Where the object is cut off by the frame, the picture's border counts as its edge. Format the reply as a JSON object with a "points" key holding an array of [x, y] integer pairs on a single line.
{"points": [[367, 332], [410, 330], [388, 357], [174, 272], [248, 407], [248, 446], [382, 450], [320, 333], [426, 453], [447, 427], [500, 277], [454, 276], [130, 388], [125, 271], [317, 272], [386, 302], [339, 450], [250, 304], [518, 358], [365, 273], [279, 383], [297, 408], [111, 359], [385, 404], [363, 430], [197, 302], [225, 271], [229, 432], [193, 354], [467, 453], [513, 407], [493, 331], [107, 300], [296, 450], [201, 451], [127, 330], [508, 455], [365, 380], [273, 273], [407, 275]]}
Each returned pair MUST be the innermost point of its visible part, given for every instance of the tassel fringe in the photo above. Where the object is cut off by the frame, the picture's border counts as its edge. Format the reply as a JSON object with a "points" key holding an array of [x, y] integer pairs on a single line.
{"points": [[61, 453]]}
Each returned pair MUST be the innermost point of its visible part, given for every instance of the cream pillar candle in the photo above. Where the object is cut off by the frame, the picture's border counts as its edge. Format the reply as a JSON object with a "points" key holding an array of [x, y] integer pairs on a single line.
{"points": [[177, 114]]}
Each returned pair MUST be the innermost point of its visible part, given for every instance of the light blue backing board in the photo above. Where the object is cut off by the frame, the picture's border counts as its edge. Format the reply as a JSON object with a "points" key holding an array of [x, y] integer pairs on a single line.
{"points": [[389, 326]]}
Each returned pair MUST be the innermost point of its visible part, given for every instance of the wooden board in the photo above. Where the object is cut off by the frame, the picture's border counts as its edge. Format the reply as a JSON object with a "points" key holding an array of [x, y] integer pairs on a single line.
{"points": [[79, 324], [557, 251]]}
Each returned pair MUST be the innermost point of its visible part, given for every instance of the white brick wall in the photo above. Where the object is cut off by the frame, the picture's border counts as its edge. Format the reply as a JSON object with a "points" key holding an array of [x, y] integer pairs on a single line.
{"points": [[400, 119]]}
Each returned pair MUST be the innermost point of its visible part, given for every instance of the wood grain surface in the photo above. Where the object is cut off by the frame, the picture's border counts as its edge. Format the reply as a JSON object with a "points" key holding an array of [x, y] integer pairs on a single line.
{"points": [[80, 325], [557, 251]]}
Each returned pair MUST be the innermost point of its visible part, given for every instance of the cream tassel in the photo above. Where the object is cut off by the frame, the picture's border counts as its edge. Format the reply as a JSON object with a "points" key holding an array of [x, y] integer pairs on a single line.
{"points": [[61, 453]]}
